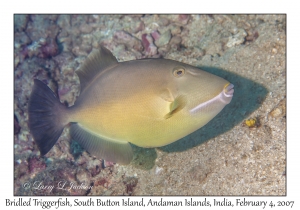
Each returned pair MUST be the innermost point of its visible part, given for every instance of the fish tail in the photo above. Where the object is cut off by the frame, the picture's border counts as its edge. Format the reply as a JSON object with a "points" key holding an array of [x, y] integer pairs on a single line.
{"points": [[46, 116]]}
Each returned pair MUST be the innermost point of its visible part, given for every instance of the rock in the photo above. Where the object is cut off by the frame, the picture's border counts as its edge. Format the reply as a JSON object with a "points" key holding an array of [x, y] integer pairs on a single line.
{"points": [[20, 22], [175, 30], [36, 165], [279, 110], [94, 167], [48, 49], [163, 21], [83, 176], [158, 170], [130, 184], [155, 35], [64, 21], [17, 127], [21, 39], [20, 169], [237, 39], [150, 48], [42, 26], [86, 28], [163, 39], [131, 42], [178, 19], [175, 42]]}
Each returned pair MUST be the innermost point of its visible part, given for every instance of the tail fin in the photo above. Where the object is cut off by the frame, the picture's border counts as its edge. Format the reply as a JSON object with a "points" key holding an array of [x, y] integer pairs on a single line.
{"points": [[45, 116]]}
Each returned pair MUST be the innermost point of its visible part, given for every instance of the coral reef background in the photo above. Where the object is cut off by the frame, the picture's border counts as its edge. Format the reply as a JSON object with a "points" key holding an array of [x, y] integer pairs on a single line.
{"points": [[241, 152]]}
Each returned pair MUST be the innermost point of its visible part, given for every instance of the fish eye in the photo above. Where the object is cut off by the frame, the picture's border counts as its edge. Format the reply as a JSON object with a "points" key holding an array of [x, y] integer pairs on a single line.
{"points": [[178, 71]]}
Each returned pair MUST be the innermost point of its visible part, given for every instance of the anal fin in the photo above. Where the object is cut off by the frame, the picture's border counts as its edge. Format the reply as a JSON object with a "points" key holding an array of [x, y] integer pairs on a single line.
{"points": [[107, 149]]}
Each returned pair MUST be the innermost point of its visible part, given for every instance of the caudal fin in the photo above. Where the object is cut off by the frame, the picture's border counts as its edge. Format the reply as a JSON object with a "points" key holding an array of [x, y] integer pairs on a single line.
{"points": [[45, 116]]}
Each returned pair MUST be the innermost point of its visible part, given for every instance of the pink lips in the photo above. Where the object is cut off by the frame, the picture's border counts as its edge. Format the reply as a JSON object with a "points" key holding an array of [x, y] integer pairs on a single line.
{"points": [[228, 91]]}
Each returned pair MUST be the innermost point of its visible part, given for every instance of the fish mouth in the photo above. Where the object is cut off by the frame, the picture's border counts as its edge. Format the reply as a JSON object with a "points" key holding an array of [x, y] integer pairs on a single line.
{"points": [[223, 97], [228, 90]]}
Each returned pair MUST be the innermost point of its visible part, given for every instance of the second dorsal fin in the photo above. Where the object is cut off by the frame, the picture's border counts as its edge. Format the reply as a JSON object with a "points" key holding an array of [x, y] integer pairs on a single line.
{"points": [[95, 63]]}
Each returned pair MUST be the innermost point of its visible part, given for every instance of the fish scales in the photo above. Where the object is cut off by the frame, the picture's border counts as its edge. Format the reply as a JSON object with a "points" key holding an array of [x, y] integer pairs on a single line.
{"points": [[148, 102]]}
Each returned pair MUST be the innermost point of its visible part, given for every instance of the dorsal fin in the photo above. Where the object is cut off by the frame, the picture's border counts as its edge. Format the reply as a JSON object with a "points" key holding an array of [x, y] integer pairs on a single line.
{"points": [[95, 63]]}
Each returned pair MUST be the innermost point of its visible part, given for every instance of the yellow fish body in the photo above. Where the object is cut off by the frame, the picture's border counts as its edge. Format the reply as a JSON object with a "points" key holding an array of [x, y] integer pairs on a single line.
{"points": [[148, 102]]}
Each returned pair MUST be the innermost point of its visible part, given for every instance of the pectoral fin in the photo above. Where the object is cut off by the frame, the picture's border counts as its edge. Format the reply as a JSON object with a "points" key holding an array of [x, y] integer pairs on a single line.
{"points": [[177, 105], [108, 149]]}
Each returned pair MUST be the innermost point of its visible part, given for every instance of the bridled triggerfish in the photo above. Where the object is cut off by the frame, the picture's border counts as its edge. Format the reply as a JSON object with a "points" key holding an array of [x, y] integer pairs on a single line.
{"points": [[147, 102]]}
